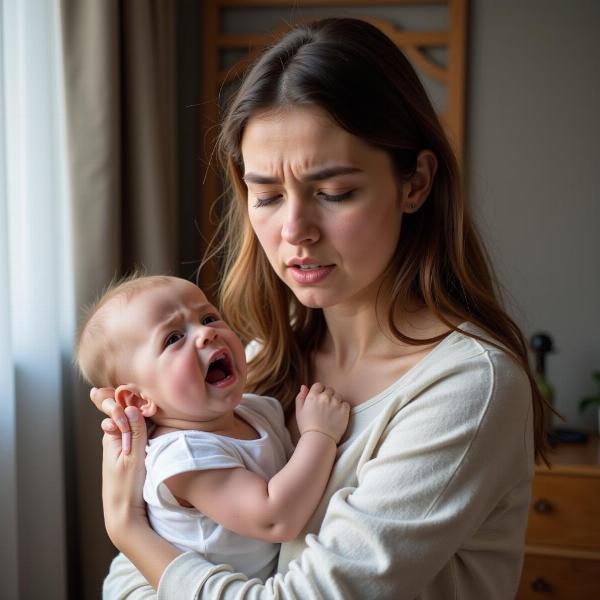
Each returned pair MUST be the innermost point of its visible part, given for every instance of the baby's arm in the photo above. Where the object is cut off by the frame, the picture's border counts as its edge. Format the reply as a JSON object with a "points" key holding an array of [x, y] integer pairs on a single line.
{"points": [[274, 510]]}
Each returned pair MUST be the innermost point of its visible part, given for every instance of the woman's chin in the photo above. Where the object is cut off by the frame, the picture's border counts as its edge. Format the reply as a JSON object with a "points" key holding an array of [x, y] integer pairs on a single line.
{"points": [[313, 298]]}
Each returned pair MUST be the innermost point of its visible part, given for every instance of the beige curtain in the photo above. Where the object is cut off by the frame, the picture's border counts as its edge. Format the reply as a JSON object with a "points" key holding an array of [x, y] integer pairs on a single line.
{"points": [[119, 62]]}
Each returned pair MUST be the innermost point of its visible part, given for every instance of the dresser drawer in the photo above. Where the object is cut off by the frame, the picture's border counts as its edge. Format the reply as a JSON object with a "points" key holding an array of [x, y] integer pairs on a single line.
{"points": [[565, 511], [559, 579]]}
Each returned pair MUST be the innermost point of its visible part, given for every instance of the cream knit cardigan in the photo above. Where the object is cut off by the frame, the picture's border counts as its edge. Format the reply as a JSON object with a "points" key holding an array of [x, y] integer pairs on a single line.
{"points": [[428, 499]]}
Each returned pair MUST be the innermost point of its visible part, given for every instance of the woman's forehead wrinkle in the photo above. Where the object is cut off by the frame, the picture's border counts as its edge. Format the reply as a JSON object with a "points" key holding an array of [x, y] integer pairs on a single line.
{"points": [[302, 164], [313, 154], [298, 149]]}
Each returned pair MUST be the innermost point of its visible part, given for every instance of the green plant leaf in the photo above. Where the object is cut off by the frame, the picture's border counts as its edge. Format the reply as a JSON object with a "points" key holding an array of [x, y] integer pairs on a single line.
{"points": [[589, 401]]}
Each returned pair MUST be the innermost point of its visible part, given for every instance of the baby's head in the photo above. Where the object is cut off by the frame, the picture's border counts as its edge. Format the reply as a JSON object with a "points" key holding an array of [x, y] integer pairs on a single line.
{"points": [[163, 347]]}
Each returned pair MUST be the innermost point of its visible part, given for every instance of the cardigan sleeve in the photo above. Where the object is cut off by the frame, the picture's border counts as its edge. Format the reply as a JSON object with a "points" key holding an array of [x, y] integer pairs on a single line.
{"points": [[438, 474], [442, 470], [125, 581]]}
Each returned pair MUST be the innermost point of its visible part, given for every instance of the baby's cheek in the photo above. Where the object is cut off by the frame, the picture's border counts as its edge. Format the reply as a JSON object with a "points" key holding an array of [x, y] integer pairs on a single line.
{"points": [[186, 373]]}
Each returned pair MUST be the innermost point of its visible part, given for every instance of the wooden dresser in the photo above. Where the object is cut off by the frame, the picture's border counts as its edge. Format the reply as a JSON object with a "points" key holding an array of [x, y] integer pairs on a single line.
{"points": [[562, 557]]}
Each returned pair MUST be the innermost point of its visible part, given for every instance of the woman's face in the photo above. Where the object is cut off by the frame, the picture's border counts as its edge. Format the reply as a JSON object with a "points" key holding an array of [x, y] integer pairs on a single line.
{"points": [[325, 205]]}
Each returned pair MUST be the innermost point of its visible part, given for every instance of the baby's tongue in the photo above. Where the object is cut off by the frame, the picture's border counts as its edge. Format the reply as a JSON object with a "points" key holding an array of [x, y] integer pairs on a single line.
{"points": [[215, 374]]}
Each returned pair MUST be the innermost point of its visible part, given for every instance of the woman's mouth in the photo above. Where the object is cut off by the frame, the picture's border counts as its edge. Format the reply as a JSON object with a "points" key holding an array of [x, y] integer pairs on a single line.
{"points": [[310, 273]]}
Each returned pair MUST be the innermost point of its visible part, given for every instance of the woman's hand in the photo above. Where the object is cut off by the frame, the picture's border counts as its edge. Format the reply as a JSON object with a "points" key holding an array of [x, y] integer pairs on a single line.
{"points": [[125, 517], [123, 477], [117, 423]]}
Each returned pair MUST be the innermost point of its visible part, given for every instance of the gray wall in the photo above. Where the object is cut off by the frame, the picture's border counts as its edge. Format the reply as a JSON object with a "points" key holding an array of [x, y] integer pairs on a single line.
{"points": [[533, 162], [534, 173]]}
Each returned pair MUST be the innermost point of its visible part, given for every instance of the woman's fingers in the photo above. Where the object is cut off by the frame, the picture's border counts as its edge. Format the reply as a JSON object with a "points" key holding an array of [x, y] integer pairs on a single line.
{"points": [[115, 411], [108, 426], [104, 401], [98, 395], [138, 429], [123, 478], [121, 442]]}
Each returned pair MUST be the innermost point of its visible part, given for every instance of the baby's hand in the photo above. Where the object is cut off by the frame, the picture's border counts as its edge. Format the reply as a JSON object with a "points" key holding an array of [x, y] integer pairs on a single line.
{"points": [[321, 409]]}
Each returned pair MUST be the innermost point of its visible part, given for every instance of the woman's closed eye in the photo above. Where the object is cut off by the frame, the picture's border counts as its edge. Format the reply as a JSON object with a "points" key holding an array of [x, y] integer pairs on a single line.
{"points": [[259, 202], [335, 197]]}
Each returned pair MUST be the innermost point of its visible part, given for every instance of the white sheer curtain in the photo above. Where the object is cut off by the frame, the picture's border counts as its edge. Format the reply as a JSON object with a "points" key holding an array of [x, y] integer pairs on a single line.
{"points": [[36, 302]]}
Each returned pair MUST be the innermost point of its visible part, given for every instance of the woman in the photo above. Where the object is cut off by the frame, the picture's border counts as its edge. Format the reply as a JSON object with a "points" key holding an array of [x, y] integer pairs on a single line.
{"points": [[351, 258]]}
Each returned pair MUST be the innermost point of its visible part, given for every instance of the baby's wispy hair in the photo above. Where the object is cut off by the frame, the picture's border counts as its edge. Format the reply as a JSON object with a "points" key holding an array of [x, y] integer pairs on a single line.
{"points": [[96, 354]]}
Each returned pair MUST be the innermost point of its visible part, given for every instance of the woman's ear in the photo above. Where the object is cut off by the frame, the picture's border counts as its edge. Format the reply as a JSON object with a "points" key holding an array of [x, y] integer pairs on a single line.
{"points": [[130, 395], [417, 188]]}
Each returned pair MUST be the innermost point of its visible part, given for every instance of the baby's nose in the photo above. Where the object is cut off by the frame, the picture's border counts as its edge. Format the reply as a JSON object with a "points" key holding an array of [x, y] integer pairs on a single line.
{"points": [[205, 336]]}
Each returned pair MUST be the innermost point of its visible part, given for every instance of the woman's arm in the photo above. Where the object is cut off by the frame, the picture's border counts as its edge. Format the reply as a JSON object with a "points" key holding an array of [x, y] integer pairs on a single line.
{"points": [[455, 462], [236, 498], [125, 581], [458, 456], [124, 508]]}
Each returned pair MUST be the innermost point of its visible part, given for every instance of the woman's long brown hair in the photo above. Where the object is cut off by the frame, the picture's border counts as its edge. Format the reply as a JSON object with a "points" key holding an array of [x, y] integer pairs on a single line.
{"points": [[358, 75]]}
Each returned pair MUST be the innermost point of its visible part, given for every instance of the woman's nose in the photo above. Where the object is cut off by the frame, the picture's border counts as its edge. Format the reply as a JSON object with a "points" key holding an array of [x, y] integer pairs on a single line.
{"points": [[299, 228], [205, 336]]}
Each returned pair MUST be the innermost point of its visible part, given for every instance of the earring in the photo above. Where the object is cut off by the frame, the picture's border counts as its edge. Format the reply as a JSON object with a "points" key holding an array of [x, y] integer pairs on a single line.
{"points": [[412, 206]]}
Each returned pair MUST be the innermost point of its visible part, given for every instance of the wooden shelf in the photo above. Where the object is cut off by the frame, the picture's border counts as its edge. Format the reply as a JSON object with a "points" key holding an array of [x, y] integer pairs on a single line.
{"points": [[562, 552], [574, 459], [562, 555]]}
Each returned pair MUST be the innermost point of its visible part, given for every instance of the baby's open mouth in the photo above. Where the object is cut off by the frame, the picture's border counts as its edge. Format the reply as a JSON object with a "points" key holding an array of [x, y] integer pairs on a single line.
{"points": [[219, 368]]}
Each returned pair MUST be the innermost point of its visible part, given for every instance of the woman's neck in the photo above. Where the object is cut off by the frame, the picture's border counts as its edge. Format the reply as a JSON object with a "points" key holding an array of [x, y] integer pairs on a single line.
{"points": [[352, 334], [359, 332], [360, 357]]}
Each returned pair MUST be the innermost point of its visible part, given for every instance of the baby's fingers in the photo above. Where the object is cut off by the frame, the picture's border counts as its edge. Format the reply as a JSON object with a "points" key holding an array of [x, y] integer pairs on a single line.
{"points": [[301, 397], [339, 400], [317, 388]]}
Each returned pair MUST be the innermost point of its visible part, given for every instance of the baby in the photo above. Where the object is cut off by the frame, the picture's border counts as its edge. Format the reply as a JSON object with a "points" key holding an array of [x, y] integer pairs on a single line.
{"points": [[218, 476]]}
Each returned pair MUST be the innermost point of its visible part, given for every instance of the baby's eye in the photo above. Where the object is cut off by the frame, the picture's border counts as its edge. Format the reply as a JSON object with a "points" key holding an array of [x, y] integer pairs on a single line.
{"points": [[172, 338], [209, 319]]}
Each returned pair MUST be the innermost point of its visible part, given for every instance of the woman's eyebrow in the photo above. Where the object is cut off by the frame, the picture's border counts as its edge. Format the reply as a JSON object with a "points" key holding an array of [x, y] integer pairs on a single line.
{"points": [[319, 175]]}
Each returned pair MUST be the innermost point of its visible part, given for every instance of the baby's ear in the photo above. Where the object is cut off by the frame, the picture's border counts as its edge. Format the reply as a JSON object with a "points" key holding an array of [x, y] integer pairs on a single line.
{"points": [[130, 395]]}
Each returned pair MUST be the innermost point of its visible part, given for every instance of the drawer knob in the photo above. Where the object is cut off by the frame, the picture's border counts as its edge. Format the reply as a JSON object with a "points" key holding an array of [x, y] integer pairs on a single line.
{"points": [[539, 584], [542, 506]]}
